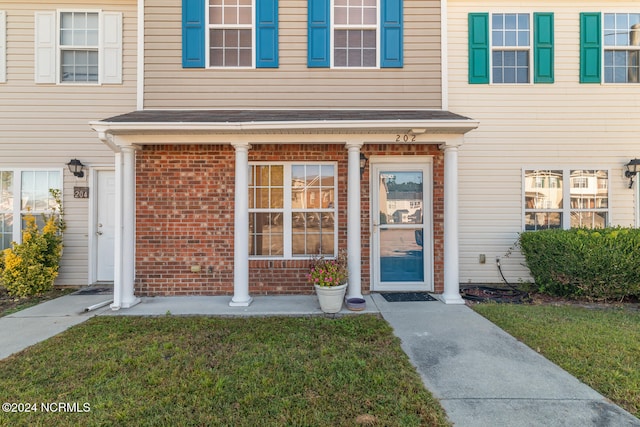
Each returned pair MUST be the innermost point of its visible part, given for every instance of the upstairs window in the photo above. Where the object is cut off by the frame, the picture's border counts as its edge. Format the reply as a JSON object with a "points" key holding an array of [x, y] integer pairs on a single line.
{"points": [[609, 44], [621, 47], [230, 33], [510, 47], [78, 47], [515, 48], [355, 33]]}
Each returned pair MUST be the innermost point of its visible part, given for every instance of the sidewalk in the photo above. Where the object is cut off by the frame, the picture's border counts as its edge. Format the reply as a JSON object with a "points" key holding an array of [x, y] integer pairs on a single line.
{"points": [[481, 375]]}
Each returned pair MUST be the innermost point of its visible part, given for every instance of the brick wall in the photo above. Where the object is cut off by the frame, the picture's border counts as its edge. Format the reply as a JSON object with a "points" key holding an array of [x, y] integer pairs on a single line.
{"points": [[184, 211]]}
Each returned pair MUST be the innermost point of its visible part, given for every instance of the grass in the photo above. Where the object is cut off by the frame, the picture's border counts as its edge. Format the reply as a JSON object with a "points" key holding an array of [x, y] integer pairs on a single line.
{"points": [[180, 371], [601, 347]]}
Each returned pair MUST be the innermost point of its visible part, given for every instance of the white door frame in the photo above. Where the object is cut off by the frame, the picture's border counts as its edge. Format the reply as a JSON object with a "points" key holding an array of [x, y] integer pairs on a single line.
{"points": [[93, 220], [402, 163]]}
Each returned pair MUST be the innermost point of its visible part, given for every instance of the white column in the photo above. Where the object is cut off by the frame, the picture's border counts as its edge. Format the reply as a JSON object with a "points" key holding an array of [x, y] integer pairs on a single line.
{"points": [[241, 296], [451, 293], [128, 227], [117, 238], [125, 235], [353, 222]]}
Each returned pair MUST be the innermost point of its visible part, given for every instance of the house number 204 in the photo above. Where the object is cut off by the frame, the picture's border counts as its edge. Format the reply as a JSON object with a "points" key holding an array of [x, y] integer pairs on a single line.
{"points": [[405, 138]]}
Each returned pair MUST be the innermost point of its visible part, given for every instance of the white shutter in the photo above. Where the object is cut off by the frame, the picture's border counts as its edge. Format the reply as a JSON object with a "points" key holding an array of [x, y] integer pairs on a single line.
{"points": [[111, 49], [45, 49], [3, 46]]}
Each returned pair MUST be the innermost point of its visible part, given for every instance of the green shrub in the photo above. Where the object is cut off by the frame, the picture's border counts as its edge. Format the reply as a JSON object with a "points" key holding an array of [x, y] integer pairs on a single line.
{"points": [[31, 267], [601, 264]]}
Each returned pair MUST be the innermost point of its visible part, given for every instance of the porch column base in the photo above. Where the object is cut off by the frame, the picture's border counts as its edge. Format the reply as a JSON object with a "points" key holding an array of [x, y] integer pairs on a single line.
{"points": [[451, 299], [241, 303], [126, 304]]}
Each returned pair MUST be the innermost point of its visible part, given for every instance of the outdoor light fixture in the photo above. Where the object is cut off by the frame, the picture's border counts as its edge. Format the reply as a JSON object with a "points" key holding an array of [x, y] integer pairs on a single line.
{"points": [[363, 164], [75, 167], [633, 167]]}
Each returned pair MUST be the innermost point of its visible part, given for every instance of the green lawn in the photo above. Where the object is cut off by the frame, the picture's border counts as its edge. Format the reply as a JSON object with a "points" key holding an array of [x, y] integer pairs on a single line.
{"points": [[601, 347], [175, 371]]}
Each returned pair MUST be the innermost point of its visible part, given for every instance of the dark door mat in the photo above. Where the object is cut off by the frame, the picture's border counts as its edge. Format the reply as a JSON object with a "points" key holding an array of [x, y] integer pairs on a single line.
{"points": [[407, 296], [94, 290]]}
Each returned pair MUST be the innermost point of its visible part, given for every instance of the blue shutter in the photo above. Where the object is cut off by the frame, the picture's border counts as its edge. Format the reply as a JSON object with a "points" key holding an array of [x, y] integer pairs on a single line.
{"points": [[193, 33], [266, 33], [478, 48], [318, 33], [391, 34], [590, 48], [543, 54]]}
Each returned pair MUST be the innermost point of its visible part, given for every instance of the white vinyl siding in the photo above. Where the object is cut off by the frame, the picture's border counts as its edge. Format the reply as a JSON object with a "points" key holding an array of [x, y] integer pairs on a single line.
{"points": [[3, 46], [43, 126], [49, 49], [566, 125]]}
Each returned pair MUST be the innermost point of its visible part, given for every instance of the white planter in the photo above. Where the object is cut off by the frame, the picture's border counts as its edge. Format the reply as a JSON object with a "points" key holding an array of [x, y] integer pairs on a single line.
{"points": [[331, 298]]}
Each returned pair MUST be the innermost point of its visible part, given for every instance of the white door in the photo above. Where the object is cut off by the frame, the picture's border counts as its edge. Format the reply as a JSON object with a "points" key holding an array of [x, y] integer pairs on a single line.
{"points": [[105, 225], [401, 218]]}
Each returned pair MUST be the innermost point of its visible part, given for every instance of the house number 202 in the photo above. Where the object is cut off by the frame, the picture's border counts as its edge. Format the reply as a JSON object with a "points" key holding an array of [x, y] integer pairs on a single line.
{"points": [[405, 138]]}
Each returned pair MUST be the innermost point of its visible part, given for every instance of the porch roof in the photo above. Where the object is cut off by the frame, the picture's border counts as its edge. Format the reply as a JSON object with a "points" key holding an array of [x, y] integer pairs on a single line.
{"points": [[367, 120]]}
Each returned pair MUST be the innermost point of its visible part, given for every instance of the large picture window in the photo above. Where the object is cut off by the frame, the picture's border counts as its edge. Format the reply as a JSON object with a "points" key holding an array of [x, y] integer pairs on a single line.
{"points": [[292, 210], [566, 199], [23, 192]]}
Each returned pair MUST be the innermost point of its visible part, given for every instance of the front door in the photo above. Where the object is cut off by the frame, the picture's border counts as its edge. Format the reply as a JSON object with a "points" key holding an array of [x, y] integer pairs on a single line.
{"points": [[402, 240], [105, 225]]}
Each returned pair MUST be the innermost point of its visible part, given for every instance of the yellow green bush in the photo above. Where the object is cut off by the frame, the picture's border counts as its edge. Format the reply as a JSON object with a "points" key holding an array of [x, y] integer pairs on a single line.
{"points": [[31, 267]]}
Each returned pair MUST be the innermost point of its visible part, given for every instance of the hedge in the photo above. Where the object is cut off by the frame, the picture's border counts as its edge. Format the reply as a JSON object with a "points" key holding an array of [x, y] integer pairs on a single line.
{"points": [[600, 264]]}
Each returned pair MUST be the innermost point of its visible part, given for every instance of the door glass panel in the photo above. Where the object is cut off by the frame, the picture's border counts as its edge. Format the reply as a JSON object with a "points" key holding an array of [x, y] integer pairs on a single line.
{"points": [[401, 241], [401, 255]]}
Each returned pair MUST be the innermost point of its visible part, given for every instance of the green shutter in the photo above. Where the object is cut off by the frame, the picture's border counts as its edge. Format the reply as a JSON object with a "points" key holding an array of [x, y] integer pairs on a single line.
{"points": [[478, 48], [543, 55], [590, 47]]}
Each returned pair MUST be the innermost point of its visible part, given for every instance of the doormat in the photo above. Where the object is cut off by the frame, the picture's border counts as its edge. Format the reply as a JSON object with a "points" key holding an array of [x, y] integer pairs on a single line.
{"points": [[94, 290], [407, 296]]}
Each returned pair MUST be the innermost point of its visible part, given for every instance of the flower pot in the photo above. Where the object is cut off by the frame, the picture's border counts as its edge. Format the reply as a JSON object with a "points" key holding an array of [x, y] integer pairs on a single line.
{"points": [[331, 297]]}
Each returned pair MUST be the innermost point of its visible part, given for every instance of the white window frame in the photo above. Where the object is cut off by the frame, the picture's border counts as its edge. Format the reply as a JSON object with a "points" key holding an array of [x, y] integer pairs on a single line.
{"points": [[47, 47], [347, 27], [210, 26], [17, 210], [567, 186], [614, 48], [61, 48], [528, 49], [287, 209]]}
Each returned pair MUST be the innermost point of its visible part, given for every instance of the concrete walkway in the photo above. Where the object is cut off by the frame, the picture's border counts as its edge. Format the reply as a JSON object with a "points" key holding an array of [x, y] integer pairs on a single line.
{"points": [[481, 375]]}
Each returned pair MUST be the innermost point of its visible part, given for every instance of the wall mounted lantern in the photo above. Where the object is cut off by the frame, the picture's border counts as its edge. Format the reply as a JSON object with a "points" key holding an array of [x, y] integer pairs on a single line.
{"points": [[363, 164], [75, 167], [633, 167]]}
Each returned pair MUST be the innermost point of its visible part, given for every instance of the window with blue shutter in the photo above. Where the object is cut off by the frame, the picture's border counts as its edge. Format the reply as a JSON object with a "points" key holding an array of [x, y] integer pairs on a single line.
{"points": [[353, 33], [193, 33], [229, 36], [318, 33], [391, 34], [266, 33]]}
